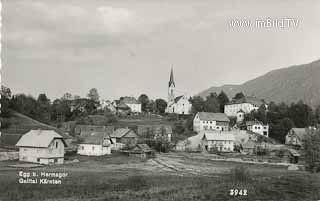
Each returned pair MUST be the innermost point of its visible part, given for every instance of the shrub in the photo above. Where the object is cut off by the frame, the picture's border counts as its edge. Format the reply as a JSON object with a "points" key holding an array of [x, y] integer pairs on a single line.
{"points": [[311, 147]]}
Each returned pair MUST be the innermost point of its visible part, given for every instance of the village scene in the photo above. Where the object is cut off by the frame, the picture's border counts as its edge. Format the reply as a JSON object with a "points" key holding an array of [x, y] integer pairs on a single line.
{"points": [[155, 100], [162, 136]]}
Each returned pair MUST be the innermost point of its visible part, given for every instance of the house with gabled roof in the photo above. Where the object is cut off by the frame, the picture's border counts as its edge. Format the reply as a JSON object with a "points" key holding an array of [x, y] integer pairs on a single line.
{"points": [[296, 136], [258, 127], [95, 144], [246, 104], [122, 137], [210, 121], [41, 146], [132, 103], [217, 141]]}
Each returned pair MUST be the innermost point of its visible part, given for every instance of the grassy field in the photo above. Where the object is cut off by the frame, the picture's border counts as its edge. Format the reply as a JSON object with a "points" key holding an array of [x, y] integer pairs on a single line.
{"points": [[122, 178]]}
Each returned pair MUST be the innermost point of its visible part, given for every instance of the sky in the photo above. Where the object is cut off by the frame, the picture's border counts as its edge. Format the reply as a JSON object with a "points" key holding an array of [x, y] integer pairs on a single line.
{"points": [[127, 47]]}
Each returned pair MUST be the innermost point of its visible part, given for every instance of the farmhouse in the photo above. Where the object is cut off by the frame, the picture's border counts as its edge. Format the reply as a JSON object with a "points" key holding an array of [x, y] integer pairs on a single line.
{"points": [[210, 121], [246, 104], [132, 103], [296, 136], [248, 147], [142, 151], [179, 104], [95, 144], [218, 141], [122, 137], [258, 127], [41, 146]]}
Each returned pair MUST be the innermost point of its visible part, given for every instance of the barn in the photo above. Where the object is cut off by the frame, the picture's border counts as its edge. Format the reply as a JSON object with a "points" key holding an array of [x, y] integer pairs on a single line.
{"points": [[95, 144], [41, 146]]}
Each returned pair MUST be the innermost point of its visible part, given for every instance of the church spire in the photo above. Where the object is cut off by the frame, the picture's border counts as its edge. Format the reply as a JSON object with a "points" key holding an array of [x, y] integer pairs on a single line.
{"points": [[171, 81]]}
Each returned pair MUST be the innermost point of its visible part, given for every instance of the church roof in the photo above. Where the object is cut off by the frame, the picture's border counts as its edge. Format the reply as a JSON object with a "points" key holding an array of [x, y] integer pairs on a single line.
{"points": [[171, 81], [176, 99]]}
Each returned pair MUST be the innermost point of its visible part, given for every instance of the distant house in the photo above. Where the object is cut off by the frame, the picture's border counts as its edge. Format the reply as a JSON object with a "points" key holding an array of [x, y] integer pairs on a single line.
{"points": [[258, 127], [218, 141], [122, 137], [155, 131], [123, 109], [132, 103], [109, 105], [248, 147], [41, 146], [84, 130], [240, 116], [246, 104], [142, 151], [210, 121], [296, 136], [95, 144]]}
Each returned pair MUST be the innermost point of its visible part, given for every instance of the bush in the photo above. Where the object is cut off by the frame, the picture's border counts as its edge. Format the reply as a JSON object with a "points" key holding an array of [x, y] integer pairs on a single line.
{"points": [[5, 123], [240, 174], [311, 147]]}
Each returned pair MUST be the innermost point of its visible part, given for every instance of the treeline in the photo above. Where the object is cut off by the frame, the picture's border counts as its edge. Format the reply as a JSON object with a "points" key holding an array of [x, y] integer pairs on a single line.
{"points": [[69, 107]]}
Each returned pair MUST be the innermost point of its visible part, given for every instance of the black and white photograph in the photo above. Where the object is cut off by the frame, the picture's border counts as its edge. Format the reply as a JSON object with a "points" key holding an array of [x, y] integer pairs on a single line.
{"points": [[160, 100]]}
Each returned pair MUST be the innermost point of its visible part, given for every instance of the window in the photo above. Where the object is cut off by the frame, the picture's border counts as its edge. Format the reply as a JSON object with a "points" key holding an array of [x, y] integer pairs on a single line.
{"points": [[38, 160], [56, 144], [82, 147], [92, 148]]}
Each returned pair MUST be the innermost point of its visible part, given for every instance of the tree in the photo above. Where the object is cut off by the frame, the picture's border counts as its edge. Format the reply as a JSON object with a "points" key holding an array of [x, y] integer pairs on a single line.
{"points": [[223, 100], [311, 147], [197, 104], [161, 106], [239, 96], [212, 104], [44, 108], [67, 96], [5, 101], [301, 114], [317, 114], [144, 100], [93, 95]]}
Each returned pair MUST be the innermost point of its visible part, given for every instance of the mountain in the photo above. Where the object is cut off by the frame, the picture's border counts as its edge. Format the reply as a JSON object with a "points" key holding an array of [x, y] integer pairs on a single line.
{"points": [[300, 82]]}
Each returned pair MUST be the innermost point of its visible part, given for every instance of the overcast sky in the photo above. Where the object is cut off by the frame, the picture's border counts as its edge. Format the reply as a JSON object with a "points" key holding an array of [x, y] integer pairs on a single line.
{"points": [[127, 47]]}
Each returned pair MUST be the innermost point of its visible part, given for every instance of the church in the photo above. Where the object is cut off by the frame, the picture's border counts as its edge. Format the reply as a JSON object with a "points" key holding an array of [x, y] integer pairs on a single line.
{"points": [[177, 104]]}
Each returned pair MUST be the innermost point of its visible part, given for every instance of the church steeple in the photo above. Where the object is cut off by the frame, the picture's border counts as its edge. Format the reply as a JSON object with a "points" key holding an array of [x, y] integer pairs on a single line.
{"points": [[171, 88], [171, 81]]}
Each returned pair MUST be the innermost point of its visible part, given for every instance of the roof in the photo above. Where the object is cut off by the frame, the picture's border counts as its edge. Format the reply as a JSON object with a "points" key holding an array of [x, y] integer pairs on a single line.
{"points": [[142, 147], [123, 106], [209, 116], [95, 138], [38, 138], [251, 123], [294, 152], [176, 99], [121, 132], [248, 99], [105, 129], [248, 145], [217, 136], [129, 100], [300, 132]]}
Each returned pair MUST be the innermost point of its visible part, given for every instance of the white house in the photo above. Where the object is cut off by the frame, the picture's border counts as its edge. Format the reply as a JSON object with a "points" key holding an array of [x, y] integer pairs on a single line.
{"points": [[258, 127], [132, 103], [179, 104], [246, 104], [296, 136], [217, 140], [95, 144], [109, 105], [210, 121], [41, 146]]}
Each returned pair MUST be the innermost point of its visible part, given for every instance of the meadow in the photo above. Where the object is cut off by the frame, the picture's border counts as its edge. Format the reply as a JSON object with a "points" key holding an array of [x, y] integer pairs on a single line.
{"points": [[121, 178]]}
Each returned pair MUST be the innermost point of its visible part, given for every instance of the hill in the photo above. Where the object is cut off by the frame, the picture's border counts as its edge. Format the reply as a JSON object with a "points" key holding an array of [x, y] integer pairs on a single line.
{"points": [[287, 85], [20, 124]]}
